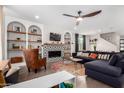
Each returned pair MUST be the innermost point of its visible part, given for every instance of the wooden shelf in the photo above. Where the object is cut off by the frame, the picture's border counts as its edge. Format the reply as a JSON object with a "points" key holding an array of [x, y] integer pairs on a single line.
{"points": [[23, 33], [67, 38], [17, 40], [35, 41], [16, 32], [15, 49], [34, 34], [23, 41]]}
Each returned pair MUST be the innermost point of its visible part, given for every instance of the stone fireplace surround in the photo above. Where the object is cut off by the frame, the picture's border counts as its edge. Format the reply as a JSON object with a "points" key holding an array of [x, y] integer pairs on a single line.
{"points": [[53, 47]]}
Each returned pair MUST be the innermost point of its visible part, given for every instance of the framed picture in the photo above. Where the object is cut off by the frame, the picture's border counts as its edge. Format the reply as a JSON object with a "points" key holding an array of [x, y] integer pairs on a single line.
{"points": [[16, 28]]}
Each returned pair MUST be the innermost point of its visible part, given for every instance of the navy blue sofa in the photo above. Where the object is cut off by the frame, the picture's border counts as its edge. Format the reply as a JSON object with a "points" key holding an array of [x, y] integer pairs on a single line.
{"points": [[109, 72]]}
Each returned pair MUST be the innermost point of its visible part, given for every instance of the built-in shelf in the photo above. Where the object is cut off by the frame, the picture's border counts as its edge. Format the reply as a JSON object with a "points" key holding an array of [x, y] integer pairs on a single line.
{"points": [[35, 41], [16, 32], [67, 41], [15, 49], [23, 33], [34, 34], [17, 40], [23, 41], [21, 36]]}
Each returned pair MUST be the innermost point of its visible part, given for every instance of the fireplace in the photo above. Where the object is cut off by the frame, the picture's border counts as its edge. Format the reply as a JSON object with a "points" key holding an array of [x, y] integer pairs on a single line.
{"points": [[52, 54]]}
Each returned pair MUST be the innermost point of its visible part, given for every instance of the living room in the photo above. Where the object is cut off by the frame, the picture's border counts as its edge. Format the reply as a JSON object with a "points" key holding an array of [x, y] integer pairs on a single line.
{"points": [[47, 43]]}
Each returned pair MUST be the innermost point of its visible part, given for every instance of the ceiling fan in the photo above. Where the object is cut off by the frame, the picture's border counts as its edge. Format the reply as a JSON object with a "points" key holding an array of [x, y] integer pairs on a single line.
{"points": [[80, 17]]}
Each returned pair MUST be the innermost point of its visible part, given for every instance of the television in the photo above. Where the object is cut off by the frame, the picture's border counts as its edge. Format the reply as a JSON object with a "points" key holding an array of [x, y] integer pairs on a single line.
{"points": [[55, 37]]}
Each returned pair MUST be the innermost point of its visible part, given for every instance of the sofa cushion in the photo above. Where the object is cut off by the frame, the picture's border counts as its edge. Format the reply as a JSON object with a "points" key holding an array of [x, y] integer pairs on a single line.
{"points": [[11, 71], [103, 67], [113, 60], [120, 56], [120, 64]]}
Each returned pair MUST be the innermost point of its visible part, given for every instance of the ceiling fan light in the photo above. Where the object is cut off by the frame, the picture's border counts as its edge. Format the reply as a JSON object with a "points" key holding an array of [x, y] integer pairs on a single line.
{"points": [[79, 19]]}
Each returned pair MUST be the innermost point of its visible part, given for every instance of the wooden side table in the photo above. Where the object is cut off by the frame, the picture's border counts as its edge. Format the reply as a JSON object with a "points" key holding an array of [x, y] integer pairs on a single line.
{"points": [[3, 65]]}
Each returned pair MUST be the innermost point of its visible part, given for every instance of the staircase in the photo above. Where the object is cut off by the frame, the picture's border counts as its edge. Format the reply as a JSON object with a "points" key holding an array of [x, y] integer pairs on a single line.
{"points": [[107, 42], [110, 37], [110, 41]]}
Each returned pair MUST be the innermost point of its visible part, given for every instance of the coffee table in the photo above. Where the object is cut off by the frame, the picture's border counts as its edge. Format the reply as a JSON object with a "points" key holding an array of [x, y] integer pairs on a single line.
{"points": [[47, 81]]}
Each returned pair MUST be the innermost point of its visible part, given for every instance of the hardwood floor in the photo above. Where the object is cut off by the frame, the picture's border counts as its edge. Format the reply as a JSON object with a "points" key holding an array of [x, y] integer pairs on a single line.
{"points": [[82, 81]]}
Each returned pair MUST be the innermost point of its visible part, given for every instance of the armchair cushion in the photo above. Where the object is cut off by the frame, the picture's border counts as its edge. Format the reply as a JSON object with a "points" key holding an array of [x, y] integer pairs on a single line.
{"points": [[103, 67]]}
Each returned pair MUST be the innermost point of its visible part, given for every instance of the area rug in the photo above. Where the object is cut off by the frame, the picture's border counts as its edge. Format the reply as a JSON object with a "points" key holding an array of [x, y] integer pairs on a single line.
{"points": [[59, 66]]}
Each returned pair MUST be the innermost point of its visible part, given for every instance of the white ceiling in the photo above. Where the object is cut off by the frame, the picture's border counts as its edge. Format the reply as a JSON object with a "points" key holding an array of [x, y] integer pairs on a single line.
{"points": [[111, 18]]}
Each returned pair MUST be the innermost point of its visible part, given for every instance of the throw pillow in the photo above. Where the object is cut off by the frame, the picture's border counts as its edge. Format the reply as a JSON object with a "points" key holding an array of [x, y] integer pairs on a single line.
{"points": [[79, 53], [108, 56], [99, 56], [102, 56], [93, 55], [105, 57], [85, 54], [113, 60]]}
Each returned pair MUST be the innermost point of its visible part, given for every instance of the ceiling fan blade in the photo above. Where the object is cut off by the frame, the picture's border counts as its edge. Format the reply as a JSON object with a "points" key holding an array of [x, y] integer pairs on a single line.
{"points": [[92, 14], [70, 15]]}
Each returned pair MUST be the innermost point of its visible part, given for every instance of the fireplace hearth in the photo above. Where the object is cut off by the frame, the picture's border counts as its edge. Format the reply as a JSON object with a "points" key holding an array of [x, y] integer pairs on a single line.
{"points": [[52, 54]]}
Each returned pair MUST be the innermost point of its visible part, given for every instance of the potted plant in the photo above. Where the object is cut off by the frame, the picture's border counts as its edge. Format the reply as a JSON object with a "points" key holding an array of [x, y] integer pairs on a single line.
{"points": [[94, 47]]}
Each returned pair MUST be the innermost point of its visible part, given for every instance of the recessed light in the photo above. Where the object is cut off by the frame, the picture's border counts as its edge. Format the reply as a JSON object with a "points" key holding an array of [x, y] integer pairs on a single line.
{"points": [[37, 17]]}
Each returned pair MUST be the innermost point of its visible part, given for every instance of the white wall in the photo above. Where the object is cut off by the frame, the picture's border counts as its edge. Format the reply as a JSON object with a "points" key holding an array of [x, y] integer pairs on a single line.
{"points": [[48, 29], [45, 32], [1, 32]]}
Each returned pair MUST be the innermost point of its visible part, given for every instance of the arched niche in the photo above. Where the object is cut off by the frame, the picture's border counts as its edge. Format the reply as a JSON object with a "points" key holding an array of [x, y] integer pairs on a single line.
{"points": [[67, 38], [16, 40], [34, 29], [34, 37], [16, 26], [67, 41]]}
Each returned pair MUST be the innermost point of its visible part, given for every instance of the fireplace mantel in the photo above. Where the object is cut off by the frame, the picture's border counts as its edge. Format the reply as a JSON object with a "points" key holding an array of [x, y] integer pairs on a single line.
{"points": [[53, 45]]}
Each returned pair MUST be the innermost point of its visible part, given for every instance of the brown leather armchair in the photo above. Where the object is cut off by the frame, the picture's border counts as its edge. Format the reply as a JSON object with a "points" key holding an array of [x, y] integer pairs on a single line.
{"points": [[32, 59]]}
